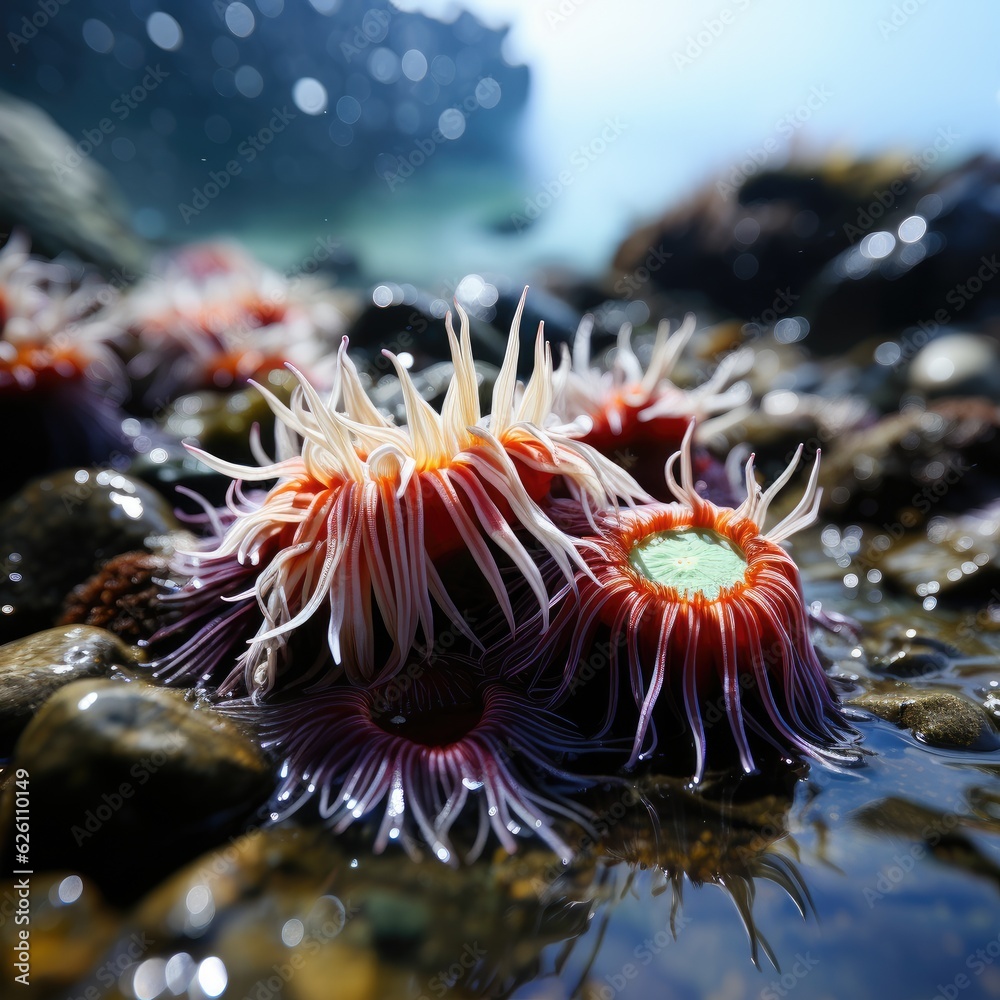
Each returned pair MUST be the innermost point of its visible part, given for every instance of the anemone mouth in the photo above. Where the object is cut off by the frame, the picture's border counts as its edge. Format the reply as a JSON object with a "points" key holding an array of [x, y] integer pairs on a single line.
{"points": [[690, 562], [440, 727], [709, 609]]}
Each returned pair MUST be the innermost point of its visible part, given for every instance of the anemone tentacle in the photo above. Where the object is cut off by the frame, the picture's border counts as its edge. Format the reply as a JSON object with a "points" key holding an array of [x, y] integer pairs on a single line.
{"points": [[363, 508], [705, 601], [627, 394], [355, 752]]}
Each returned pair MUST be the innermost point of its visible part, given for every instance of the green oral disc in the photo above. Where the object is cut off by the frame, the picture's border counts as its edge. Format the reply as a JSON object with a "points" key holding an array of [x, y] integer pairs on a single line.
{"points": [[691, 561]]}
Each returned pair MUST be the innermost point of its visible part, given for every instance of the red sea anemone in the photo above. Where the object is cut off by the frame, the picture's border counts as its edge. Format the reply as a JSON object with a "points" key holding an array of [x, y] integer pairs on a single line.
{"points": [[708, 607], [364, 509], [637, 415]]}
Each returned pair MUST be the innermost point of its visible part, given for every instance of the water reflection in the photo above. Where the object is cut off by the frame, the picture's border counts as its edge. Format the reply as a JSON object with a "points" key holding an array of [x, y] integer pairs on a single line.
{"points": [[500, 928], [728, 836], [918, 831]]}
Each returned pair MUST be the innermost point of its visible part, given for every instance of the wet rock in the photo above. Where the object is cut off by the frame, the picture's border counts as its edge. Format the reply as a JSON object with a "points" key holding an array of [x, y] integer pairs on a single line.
{"points": [[938, 718], [81, 211], [906, 654], [955, 557], [989, 694], [59, 529], [128, 780], [915, 266], [560, 319], [944, 834], [786, 418], [383, 926], [752, 241], [71, 927], [35, 667], [172, 466], [221, 422], [914, 464], [407, 320]]}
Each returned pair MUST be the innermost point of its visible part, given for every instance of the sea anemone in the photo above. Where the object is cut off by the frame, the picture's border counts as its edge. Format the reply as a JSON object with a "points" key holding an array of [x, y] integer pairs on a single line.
{"points": [[59, 381], [46, 333], [639, 416], [708, 607], [426, 753], [364, 508], [210, 316]]}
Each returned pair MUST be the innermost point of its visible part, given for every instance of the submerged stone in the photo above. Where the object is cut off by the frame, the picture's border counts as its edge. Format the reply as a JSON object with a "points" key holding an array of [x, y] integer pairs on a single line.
{"points": [[938, 718]]}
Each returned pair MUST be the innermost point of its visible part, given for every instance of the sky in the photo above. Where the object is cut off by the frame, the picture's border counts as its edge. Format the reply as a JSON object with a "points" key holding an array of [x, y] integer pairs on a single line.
{"points": [[695, 89]]}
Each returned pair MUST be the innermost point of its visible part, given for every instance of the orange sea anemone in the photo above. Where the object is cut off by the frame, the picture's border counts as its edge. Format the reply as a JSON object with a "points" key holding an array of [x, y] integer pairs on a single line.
{"points": [[708, 608], [48, 333], [60, 383], [363, 509]]}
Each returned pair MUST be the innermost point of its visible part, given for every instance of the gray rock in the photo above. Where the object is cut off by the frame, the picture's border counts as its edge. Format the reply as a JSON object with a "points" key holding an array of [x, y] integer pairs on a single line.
{"points": [[35, 667], [77, 209]]}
